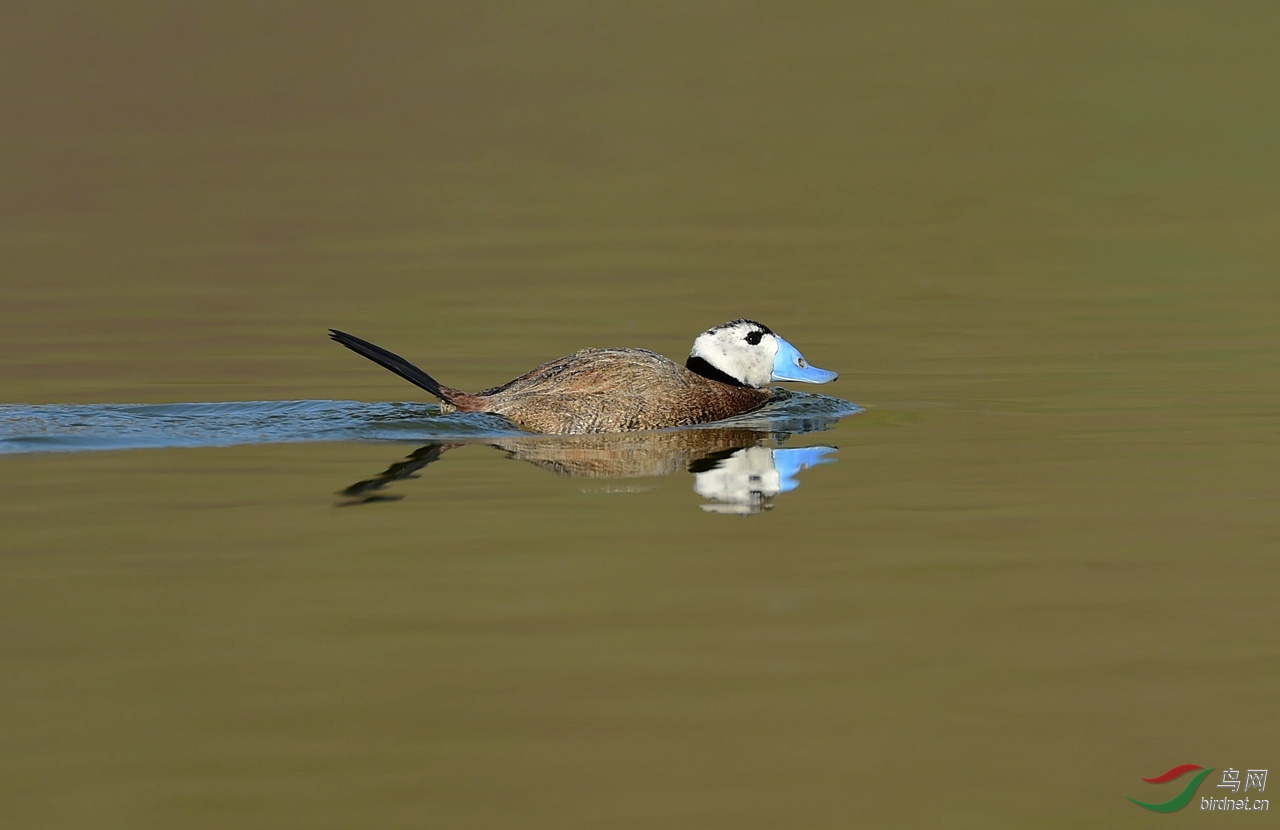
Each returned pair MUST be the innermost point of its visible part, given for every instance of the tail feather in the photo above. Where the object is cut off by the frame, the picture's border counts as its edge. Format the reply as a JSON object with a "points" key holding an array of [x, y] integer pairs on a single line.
{"points": [[394, 363]]}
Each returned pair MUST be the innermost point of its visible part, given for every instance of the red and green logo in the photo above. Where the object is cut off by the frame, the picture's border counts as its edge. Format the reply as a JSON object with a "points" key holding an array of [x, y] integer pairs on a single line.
{"points": [[1181, 799]]}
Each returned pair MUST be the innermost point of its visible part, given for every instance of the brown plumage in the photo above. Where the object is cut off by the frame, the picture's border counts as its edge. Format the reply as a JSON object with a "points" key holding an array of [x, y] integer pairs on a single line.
{"points": [[606, 390]]}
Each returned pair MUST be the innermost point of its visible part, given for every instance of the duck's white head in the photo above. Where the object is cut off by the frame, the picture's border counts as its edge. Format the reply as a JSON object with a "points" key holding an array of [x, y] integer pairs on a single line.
{"points": [[748, 353]]}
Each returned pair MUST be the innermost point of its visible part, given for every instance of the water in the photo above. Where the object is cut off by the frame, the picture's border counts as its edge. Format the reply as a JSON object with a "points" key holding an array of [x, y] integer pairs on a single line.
{"points": [[1037, 242], [730, 463], [70, 427]]}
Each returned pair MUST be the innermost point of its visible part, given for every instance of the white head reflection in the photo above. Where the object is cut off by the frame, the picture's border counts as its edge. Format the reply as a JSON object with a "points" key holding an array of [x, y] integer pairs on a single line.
{"points": [[746, 481]]}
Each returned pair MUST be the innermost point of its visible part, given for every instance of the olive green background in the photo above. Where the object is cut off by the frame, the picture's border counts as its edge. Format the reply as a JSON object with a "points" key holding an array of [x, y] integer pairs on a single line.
{"points": [[1038, 240]]}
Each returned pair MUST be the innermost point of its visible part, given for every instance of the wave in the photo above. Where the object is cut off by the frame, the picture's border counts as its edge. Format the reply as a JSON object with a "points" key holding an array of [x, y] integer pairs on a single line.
{"points": [[86, 427]]}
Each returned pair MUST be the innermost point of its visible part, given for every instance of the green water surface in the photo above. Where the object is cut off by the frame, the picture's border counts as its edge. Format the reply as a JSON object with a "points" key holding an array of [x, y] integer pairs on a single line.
{"points": [[1037, 240]]}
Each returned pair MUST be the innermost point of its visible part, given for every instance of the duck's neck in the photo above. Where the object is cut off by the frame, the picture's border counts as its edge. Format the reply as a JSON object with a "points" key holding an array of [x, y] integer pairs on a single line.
{"points": [[701, 367]]}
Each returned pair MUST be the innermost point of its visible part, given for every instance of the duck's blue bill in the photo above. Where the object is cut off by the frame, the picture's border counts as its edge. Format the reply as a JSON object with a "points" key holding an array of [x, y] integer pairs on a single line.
{"points": [[791, 365]]}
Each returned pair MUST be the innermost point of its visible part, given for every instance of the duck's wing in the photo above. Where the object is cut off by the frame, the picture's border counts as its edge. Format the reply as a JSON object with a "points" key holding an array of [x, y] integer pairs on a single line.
{"points": [[596, 371], [616, 390]]}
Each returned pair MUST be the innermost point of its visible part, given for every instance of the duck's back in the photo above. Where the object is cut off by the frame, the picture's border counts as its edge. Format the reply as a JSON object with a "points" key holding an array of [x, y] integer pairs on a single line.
{"points": [[614, 390]]}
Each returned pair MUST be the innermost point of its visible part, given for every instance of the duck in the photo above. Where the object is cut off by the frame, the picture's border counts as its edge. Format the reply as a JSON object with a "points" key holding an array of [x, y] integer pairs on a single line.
{"points": [[625, 390]]}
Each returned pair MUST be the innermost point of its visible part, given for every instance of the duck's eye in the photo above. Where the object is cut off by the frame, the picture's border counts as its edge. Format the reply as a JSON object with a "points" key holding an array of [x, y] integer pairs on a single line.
{"points": [[754, 338]]}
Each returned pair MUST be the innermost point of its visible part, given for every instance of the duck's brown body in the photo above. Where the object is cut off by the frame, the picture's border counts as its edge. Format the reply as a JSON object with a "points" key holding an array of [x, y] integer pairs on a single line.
{"points": [[590, 391]]}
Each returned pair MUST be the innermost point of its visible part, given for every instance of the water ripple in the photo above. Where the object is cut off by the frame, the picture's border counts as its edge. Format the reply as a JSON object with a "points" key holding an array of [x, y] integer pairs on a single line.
{"points": [[82, 427]]}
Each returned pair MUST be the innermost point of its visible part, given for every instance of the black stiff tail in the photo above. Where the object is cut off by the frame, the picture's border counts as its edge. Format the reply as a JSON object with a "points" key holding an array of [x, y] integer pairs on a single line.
{"points": [[393, 362]]}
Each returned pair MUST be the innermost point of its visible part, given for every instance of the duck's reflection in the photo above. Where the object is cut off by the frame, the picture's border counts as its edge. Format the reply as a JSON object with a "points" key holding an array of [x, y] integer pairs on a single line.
{"points": [[746, 480], [739, 471]]}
